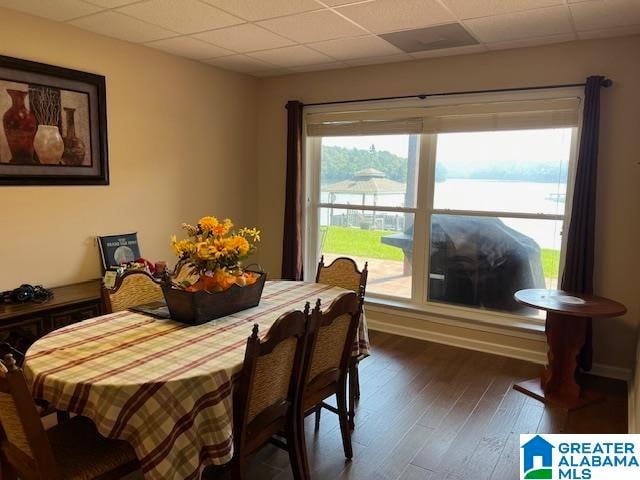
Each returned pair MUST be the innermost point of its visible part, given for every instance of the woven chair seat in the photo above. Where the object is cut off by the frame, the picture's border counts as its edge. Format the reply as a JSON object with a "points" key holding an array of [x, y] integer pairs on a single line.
{"points": [[83, 453]]}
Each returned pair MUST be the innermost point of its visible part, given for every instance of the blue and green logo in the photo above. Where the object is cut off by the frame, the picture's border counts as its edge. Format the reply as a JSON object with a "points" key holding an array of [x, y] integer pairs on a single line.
{"points": [[538, 448]]}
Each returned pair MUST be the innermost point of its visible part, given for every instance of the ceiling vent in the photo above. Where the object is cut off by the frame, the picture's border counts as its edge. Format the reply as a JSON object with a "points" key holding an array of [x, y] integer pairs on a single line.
{"points": [[430, 38]]}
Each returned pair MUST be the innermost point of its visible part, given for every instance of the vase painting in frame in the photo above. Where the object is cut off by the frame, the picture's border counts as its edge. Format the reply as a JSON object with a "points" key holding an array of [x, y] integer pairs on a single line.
{"points": [[53, 129]]}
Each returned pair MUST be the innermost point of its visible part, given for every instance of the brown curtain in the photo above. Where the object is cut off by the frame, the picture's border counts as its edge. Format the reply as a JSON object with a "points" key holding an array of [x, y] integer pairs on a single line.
{"points": [[578, 270], [292, 240]]}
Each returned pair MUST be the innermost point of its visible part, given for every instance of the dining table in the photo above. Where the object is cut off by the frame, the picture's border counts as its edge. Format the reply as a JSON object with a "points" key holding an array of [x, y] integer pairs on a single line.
{"points": [[163, 386]]}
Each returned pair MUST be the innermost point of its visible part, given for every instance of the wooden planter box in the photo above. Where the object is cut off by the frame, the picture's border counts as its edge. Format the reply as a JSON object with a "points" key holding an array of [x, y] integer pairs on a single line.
{"points": [[199, 307]]}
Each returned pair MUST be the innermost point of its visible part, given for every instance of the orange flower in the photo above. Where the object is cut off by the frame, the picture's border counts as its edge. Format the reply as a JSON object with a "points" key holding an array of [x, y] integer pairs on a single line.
{"points": [[223, 228], [208, 224]]}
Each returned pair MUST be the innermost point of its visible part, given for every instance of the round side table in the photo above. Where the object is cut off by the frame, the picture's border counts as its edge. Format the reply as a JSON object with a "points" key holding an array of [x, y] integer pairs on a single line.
{"points": [[566, 327]]}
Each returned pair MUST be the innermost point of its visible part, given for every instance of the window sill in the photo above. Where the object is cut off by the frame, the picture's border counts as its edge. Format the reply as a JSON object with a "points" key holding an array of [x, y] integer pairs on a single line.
{"points": [[483, 320]]}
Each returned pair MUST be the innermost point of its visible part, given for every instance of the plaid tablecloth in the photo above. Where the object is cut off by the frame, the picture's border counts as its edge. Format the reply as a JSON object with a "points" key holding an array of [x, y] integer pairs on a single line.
{"points": [[163, 386]]}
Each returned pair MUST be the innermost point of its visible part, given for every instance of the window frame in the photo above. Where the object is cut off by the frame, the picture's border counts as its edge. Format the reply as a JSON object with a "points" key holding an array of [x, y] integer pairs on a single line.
{"points": [[424, 208]]}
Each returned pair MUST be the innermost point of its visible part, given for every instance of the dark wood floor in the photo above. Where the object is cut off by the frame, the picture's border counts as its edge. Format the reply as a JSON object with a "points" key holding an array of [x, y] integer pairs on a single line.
{"points": [[434, 412]]}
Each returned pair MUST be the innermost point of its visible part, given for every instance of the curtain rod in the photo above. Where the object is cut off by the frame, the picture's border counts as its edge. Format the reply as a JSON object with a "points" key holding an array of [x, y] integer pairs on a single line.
{"points": [[606, 82]]}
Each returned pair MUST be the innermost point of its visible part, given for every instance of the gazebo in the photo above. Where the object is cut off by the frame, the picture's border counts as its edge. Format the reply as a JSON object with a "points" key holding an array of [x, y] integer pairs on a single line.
{"points": [[365, 182]]}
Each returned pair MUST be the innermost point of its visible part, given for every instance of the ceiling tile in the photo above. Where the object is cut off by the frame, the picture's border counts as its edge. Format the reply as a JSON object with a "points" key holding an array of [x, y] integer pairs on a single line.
{"points": [[60, 10], [376, 60], [120, 26], [291, 56], [244, 38], [516, 26], [313, 26], [389, 15], [262, 9], [189, 47], [240, 63], [185, 16], [610, 32], [605, 14], [110, 3], [532, 42], [361, 47], [473, 8], [445, 52]]}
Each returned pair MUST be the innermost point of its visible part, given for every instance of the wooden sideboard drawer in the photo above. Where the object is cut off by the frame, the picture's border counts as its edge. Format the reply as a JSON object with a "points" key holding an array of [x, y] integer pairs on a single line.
{"points": [[22, 324]]}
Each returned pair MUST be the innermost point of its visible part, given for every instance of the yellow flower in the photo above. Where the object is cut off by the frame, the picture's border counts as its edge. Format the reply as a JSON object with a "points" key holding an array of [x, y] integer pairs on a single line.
{"points": [[239, 244], [208, 224], [203, 251], [181, 247], [254, 233], [213, 246]]}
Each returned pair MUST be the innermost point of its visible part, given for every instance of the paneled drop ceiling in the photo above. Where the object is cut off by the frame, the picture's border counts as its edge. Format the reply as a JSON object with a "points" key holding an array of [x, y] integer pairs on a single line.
{"points": [[274, 37]]}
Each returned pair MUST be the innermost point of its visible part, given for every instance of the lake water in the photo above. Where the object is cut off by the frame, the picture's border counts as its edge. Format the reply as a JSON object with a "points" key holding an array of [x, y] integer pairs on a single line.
{"points": [[484, 195]]}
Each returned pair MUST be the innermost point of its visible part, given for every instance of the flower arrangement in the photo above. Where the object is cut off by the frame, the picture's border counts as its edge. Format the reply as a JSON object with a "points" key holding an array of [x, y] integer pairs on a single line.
{"points": [[215, 252]]}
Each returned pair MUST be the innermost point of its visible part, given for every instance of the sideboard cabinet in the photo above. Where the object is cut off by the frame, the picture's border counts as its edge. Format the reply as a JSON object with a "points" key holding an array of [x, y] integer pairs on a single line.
{"points": [[22, 324]]}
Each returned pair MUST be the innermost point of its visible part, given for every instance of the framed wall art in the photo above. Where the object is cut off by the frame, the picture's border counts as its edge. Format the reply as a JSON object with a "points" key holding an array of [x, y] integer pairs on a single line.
{"points": [[54, 125]]}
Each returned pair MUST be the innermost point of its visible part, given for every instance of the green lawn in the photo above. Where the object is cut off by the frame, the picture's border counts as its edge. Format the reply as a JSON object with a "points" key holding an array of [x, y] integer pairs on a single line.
{"points": [[363, 243], [550, 262], [366, 243]]}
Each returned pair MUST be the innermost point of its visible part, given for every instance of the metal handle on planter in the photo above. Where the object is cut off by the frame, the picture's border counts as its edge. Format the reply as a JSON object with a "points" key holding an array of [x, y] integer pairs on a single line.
{"points": [[260, 269]]}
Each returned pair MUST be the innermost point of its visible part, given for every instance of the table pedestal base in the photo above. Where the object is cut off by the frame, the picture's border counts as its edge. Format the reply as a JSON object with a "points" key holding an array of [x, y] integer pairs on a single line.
{"points": [[533, 389]]}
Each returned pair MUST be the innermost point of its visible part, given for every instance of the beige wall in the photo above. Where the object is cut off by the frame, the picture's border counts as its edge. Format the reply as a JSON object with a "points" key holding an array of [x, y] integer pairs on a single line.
{"points": [[618, 227], [178, 133]]}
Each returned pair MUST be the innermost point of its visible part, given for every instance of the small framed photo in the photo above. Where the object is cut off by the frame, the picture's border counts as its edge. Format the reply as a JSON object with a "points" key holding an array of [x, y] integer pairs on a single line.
{"points": [[116, 250], [54, 125]]}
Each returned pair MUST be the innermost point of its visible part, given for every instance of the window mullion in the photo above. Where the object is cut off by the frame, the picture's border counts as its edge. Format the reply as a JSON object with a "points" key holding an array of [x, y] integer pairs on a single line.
{"points": [[420, 261], [312, 198]]}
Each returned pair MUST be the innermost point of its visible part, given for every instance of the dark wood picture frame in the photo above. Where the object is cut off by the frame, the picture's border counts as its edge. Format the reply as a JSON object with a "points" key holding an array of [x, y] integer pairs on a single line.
{"points": [[14, 70]]}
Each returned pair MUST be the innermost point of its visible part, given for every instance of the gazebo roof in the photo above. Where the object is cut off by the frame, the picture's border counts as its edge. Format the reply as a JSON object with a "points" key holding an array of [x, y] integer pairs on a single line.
{"points": [[369, 182]]}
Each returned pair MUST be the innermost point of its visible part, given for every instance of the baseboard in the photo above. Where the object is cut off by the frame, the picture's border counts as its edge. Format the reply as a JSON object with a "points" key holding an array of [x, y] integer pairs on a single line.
{"points": [[503, 349], [610, 371], [455, 341]]}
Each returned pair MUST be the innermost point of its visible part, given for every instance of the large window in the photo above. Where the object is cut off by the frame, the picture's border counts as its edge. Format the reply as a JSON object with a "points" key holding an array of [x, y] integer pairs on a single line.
{"points": [[367, 206], [461, 207]]}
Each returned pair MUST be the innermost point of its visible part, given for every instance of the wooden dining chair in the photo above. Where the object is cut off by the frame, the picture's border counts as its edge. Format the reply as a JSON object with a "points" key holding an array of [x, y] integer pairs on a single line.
{"points": [[73, 450], [134, 287], [327, 360], [343, 272], [267, 398]]}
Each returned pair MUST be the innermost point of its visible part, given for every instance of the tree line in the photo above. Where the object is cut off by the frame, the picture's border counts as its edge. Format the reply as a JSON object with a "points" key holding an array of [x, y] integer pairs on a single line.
{"points": [[340, 163]]}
